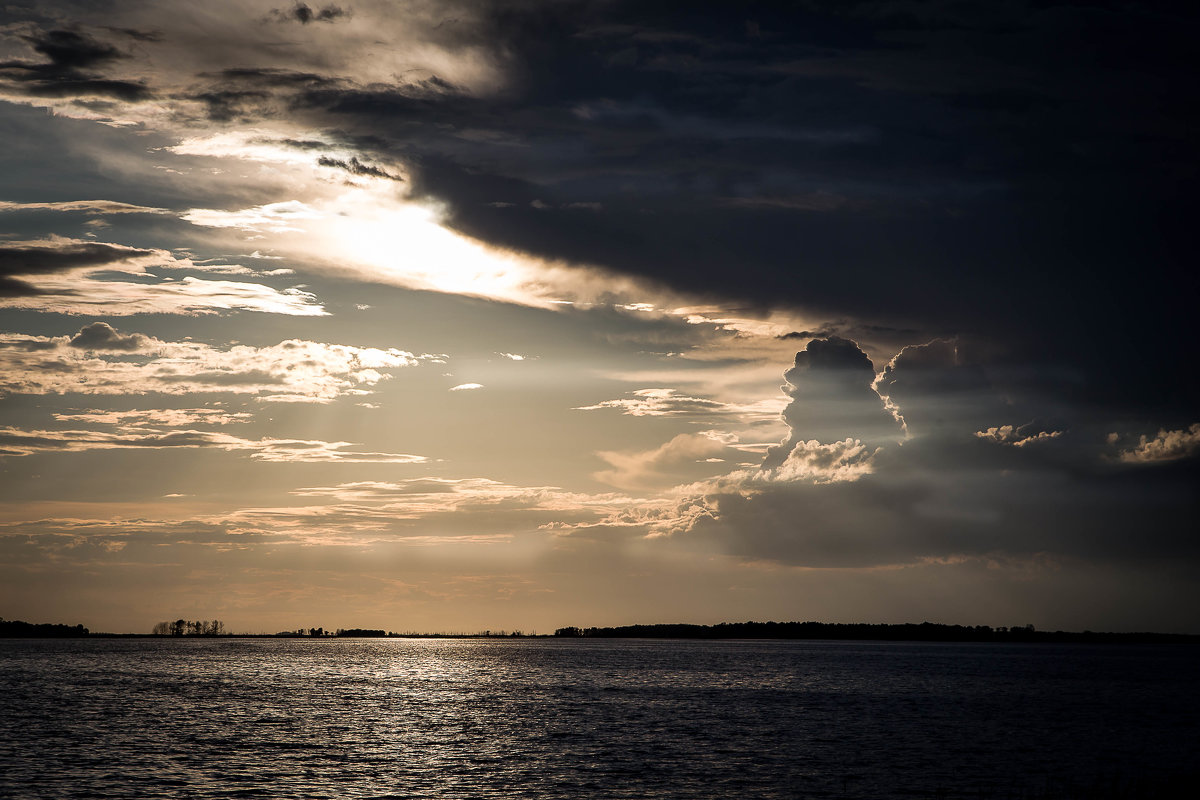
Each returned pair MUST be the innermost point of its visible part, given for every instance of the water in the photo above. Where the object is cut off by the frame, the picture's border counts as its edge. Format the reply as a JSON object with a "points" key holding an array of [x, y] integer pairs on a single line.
{"points": [[133, 718]]}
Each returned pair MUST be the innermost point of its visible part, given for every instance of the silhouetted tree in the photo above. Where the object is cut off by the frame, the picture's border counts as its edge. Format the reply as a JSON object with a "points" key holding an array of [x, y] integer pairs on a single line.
{"points": [[17, 628]]}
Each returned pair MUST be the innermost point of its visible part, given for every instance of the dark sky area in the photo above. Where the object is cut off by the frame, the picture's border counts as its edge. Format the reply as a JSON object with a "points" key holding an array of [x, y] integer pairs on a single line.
{"points": [[503, 294]]}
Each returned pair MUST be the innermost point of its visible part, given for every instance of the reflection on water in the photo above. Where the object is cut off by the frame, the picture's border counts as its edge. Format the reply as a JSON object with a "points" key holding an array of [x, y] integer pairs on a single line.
{"points": [[591, 718]]}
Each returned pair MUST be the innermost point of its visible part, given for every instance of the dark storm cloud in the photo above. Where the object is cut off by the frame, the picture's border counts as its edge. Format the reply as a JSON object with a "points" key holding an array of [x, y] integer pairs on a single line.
{"points": [[69, 71], [832, 399], [1015, 174], [271, 77], [295, 144], [997, 173], [356, 167], [246, 93], [939, 390], [1022, 489], [228, 105], [901, 515], [304, 14], [69, 51]]}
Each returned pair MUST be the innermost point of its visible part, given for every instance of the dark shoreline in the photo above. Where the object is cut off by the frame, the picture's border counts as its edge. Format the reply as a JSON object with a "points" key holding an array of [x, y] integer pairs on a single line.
{"points": [[825, 631]]}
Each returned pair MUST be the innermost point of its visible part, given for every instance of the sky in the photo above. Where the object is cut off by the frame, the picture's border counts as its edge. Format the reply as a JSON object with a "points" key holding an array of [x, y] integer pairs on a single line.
{"points": [[456, 316]]}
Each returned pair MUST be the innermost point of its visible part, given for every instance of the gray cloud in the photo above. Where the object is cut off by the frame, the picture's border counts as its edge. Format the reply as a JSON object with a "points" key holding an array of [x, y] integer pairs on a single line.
{"points": [[68, 71], [893, 518], [1023, 492], [356, 167], [939, 390], [21, 260], [304, 14], [832, 399], [102, 336]]}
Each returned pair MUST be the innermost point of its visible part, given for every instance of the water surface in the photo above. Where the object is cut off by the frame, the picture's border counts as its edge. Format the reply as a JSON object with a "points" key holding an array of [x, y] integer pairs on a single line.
{"points": [[163, 718]]}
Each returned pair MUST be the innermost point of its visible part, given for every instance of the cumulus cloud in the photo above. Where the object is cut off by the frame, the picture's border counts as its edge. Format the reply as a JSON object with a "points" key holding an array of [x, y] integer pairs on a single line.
{"points": [[1020, 436], [819, 463], [949, 495], [102, 336], [466, 387], [832, 399], [936, 389], [1165, 446], [96, 360]]}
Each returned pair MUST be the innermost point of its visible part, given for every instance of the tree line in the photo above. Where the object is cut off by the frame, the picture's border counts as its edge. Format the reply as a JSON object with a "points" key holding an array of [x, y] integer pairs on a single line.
{"points": [[904, 632], [15, 628], [183, 627]]}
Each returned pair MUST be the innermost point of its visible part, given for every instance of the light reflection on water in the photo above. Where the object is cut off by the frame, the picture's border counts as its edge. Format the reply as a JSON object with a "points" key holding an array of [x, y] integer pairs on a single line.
{"points": [[588, 718]]}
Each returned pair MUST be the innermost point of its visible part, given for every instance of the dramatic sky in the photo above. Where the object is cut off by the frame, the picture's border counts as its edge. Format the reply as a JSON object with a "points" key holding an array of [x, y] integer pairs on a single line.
{"points": [[443, 315]]}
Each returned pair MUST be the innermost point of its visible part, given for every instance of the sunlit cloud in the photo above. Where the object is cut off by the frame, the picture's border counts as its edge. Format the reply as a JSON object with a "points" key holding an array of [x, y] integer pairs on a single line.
{"points": [[283, 217], [438, 507], [182, 73], [666, 465], [170, 417], [117, 364], [664, 402], [1165, 446], [818, 463], [71, 276], [90, 207], [466, 387], [18, 442], [1017, 436], [429, 495]]}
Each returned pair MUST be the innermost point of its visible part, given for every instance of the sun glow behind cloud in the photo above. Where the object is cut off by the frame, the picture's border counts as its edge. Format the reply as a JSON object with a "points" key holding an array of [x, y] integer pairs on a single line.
{"points": [[357, 218]]}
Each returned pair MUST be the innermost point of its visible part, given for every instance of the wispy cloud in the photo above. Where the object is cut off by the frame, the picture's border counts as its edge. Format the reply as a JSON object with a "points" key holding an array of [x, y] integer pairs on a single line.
{"points": [[674, 462], [664, 402], [70, 276], [282, 217], [18, 442], [100, 360], [171, 417], [90, 207]]}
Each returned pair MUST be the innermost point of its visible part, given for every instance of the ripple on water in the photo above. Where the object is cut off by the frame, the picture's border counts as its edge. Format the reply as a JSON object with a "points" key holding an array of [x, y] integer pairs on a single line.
{"points": [[588, 718]]}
